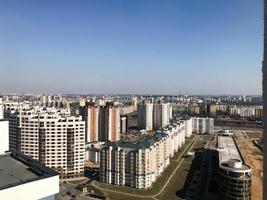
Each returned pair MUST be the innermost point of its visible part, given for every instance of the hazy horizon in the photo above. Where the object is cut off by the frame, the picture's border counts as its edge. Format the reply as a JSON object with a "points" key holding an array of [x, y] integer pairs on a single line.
{"points": [[131, 47]]}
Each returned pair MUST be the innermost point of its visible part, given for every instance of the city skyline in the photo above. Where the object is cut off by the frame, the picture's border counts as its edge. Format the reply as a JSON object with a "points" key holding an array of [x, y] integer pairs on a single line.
{"points": [[131, 48]]}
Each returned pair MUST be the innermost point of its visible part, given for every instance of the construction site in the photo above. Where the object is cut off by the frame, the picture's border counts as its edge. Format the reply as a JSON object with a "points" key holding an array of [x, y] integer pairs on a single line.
{"points": [[249, 141]]}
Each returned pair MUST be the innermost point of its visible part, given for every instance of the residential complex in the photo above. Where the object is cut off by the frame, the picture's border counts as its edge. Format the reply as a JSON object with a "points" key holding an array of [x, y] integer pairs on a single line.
{"points": [[53, 137], [138, 164]]}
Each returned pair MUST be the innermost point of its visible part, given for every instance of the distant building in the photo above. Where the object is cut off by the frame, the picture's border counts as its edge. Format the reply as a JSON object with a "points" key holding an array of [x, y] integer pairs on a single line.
{"points": [[188, 127], [203, 125], [258, 113], [161, 115], [109, 122], [4, 136], [1, 108], [124, 124], [145, 116], [212, 109], [90, 114]]}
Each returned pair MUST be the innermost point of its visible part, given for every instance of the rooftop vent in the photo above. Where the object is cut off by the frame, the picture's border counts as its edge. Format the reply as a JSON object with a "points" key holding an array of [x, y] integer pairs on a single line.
{"points": [[235, 163]]}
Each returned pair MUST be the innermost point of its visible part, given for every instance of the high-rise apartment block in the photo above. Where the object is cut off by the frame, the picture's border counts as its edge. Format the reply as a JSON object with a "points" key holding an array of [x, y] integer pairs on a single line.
{"points": [[54, 138], [203, 125], [153, 116], [90, 114], [102, 122], [109, 117], [145, 115], [161, 115]]}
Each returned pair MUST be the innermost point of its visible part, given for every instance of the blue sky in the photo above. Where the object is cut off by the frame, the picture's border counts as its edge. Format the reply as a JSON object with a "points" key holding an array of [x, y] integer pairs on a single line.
{"points": [[141, 47]]}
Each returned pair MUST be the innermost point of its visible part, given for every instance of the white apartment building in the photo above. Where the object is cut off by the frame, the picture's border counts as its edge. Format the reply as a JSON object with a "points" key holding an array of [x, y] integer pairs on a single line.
{"points": [[161, 115], [4, 136], [245, 111], [53, 137], [145, 116], [1, 108], [203, 125], [139, 164], [188, 127]]}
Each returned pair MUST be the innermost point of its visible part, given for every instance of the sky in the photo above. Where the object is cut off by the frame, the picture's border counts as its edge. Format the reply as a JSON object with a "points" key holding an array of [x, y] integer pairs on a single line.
{"points": [[131, 47]]}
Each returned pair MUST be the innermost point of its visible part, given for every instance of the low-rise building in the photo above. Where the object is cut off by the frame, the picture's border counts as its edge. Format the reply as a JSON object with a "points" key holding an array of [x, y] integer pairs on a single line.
{"points": [[26, 179], [234, 173]]}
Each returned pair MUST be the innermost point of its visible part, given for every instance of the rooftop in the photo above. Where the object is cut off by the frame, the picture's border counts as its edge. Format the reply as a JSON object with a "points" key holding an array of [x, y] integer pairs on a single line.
{"points": [[16, 169], [227, 149]]}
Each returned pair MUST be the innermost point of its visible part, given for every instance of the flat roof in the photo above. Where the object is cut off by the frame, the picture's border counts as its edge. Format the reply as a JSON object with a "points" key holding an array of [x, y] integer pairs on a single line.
{"points": [[16, 169], [228, 149]]}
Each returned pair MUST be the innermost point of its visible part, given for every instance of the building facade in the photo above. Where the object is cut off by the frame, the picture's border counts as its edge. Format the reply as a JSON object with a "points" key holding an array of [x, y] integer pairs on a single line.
{"points": [[202, 125], [90, 114], [109, 122], [139, 164], [161, 115], [145, 116], [55, 139]]}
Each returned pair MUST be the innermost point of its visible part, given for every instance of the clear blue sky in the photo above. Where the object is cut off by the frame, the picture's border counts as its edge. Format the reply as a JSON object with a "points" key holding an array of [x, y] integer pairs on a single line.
{"points": [[143, 47]]}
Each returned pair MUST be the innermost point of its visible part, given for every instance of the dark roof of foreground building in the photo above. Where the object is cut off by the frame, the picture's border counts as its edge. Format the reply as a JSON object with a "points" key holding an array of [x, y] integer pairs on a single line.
{"points": [[17, 168]]}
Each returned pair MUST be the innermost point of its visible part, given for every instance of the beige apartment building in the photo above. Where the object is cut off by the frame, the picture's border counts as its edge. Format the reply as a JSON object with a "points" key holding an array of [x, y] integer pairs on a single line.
{"points": [[138, 164], [53, 137], [102, 123]]}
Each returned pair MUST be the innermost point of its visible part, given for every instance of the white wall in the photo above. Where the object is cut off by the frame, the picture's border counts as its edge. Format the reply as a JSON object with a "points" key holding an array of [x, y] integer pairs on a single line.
{"points": [[4, 139], [33, 190]]}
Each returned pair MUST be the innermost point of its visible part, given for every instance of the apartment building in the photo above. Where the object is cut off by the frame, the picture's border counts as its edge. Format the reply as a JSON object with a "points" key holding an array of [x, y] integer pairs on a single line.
{"points": [[247, 111], [90, 114], [134, 165], [145, 115], [161, 115], [202, 125], [51, 136], [109, 122], [138, 164], [188, 124], [1, 108], [102, 122]]}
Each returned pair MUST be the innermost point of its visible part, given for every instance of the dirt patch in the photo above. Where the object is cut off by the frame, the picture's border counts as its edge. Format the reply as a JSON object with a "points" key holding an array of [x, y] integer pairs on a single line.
{"points": [[253, 157]]}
